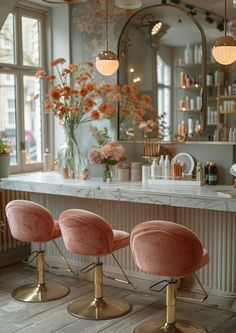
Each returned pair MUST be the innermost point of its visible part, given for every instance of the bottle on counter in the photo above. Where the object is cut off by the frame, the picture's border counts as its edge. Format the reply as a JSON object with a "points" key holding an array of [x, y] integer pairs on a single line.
{"points": [[206, 171], [154, 168], [167, 167], [162, 166], [47, 161], [212, 174], [199, 172]]}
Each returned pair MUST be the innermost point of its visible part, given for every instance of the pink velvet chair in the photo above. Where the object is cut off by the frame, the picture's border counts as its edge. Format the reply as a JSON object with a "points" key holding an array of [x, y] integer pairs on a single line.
{"points": [[88, 234], [30, 222], [167, 249]]}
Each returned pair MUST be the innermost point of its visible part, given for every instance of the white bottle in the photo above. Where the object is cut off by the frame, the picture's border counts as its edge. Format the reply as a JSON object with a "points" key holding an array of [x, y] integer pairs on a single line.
{"points": [[47, 161], [234, 135], [188, 55], [231, 135], [162, 166], [200, 54], [154, 167], [167, 167], [196, 54]]}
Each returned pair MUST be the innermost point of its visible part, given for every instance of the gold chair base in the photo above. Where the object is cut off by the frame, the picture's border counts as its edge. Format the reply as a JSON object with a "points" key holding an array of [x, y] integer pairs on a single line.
{"points": [[35, 293], [99, 308], [181, 326]]}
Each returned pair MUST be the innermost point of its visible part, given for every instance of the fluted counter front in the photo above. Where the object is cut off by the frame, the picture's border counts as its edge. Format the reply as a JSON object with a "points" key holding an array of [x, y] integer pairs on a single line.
{"points": [[125, 204]]}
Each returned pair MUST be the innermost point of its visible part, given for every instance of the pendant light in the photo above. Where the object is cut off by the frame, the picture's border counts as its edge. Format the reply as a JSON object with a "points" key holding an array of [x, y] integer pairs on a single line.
{"points": [[64, 1], [106, 61], [128, 4], [224, 48]]}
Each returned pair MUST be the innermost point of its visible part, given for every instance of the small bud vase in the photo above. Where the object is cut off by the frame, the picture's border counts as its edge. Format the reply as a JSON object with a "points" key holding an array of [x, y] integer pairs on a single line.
{"points": [[107, 173]]}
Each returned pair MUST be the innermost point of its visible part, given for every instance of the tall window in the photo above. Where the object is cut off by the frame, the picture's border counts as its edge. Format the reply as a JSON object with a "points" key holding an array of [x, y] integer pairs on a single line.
{"points": [[164, 92], [22, 53]]}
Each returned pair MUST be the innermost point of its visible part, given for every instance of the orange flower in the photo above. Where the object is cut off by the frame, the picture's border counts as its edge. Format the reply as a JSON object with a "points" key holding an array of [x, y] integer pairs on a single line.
{"points": [[50, 77], [72, 67], [89, 103], [67, 91], [54, 93], [40, 73], [47, 105], [57, 62], [95, 115], [83, 91], [126, 89], [146, 99], [89, 63]]}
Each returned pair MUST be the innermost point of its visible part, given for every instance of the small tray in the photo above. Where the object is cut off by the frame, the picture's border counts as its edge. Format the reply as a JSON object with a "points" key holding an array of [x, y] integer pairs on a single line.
{"points": [[176, 182]]}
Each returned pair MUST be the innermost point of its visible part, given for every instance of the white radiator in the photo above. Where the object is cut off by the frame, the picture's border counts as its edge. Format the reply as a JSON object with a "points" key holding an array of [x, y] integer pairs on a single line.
{"points": [[7, 242]]}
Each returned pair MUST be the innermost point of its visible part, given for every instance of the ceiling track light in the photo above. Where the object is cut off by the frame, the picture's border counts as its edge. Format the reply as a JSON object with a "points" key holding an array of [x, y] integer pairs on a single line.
{"points": [[106, 61], [224, 48], [220, 26], [208, 18]]}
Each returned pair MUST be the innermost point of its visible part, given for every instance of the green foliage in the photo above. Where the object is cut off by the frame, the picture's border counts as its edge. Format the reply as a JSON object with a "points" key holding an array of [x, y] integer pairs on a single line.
{"points": [[5, 146]]}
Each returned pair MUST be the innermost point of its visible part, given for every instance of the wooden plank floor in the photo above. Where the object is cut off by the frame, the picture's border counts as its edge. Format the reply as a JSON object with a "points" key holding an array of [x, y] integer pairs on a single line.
{"points": [[52, 316]]}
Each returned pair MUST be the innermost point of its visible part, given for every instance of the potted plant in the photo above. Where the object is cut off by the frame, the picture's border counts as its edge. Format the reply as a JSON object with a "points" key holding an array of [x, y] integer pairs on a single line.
{"points": [[5, 149]]}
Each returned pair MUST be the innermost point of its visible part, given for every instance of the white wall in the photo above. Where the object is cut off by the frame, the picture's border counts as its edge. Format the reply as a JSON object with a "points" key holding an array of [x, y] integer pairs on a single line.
{"points": [[5, 7]]}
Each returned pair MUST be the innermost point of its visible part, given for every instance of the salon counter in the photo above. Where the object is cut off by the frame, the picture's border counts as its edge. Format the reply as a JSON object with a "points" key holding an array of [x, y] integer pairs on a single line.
{"points": [[203, 197], [126, 204]]}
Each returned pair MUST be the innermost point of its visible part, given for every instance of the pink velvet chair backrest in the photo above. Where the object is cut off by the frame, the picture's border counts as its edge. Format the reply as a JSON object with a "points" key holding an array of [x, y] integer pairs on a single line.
{"points": [[165, 248], [29, 222], [86, 233]]}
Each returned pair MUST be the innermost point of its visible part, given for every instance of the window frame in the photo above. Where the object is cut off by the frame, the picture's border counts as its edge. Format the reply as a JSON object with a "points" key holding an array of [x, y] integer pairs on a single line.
{"points": [[43, 14]]}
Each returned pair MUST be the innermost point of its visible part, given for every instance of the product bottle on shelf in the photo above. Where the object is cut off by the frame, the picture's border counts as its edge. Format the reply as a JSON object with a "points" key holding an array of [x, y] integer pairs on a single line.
{"points": [[188, 55], [167, 167]]}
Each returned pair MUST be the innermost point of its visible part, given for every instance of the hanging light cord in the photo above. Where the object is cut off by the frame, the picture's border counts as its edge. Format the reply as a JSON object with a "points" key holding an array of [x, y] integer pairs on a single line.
{"points": [[106, 25], [225, 20]]}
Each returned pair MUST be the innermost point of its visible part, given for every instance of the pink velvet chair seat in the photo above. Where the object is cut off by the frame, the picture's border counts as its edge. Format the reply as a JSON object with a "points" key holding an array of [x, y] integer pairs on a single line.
{"points": [[167, 249], [89, 234], [31, 222]]}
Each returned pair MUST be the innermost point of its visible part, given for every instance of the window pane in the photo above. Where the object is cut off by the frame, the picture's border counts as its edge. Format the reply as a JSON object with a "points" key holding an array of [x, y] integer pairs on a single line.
{"points": [[30, 41], [8, 111], [7, 41], [33, 121]]}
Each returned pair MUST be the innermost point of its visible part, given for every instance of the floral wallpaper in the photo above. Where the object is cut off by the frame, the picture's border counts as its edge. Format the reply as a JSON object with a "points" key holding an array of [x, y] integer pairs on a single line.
{"points": [[88, 29]]}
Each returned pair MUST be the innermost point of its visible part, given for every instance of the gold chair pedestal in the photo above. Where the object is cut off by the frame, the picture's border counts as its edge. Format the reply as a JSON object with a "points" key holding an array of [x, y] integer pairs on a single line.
{"points": [[99, 307], [171, 325], [41, 291]]}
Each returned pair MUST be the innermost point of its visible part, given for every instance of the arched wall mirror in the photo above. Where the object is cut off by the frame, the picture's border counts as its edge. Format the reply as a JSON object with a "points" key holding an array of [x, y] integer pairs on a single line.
{"points": [[168, 64]]}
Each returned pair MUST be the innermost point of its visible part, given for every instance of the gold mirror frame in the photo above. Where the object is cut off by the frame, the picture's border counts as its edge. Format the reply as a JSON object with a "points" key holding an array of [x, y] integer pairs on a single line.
{"points": [[204, 52]]}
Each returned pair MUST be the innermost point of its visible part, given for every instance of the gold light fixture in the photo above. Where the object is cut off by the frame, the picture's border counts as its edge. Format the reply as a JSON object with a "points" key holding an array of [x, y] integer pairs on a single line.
{"points": [[64, 1], [106, 61], [224, 48]]}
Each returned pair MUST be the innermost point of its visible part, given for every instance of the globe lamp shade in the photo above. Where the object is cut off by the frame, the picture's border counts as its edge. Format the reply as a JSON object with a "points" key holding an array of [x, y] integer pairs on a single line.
{"points": [[107, 63], [224, 50]]}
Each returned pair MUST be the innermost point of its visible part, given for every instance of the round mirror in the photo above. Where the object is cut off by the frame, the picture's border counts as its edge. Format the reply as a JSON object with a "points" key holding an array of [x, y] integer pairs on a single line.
{"points": [[162, 51]]}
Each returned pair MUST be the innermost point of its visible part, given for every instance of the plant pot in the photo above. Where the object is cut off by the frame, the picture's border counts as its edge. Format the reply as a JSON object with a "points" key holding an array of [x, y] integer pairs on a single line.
{"points": [[4, 165]]}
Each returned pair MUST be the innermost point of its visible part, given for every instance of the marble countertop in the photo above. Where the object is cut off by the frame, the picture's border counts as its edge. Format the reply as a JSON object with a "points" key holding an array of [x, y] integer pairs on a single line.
{"points": [[203, 197]]}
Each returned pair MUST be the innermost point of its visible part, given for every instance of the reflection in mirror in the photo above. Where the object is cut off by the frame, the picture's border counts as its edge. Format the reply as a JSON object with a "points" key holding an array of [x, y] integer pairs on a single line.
{"points": [[162, 51]]}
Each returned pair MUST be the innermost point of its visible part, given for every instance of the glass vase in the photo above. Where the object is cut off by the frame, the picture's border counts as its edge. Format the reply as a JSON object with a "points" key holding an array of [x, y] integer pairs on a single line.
{"points": [[70, 159], [107, 173]]}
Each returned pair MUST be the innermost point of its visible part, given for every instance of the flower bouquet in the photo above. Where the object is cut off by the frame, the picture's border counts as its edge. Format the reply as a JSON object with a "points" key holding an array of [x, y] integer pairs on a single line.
{"points": [[108, 154], [75, 98]]}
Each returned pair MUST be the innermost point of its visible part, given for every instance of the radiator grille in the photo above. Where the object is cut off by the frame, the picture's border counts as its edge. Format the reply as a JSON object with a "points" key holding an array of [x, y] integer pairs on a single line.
{"points": [[7, 242]]}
